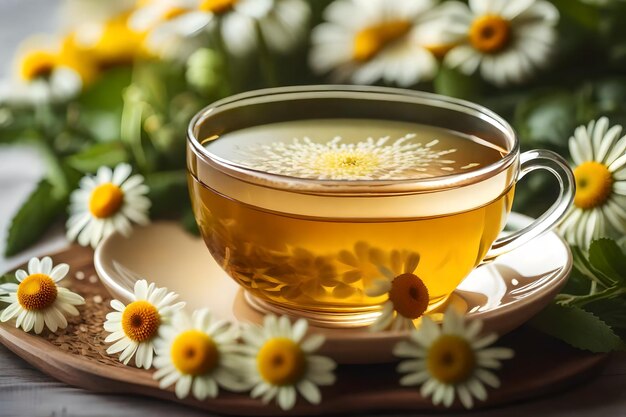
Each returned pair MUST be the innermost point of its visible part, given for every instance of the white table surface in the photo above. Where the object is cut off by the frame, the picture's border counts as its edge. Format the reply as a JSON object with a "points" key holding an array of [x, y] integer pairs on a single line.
{"points": [[25, 391]]}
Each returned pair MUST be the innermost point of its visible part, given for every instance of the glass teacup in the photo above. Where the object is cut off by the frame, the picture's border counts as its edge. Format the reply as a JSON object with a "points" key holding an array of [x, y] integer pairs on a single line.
{"points": [[312, 226]]}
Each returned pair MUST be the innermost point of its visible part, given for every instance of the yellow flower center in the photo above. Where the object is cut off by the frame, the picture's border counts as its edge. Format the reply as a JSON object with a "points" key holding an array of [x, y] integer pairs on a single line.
{"points": [[118, 44], [451, 359], [140, 321], [194, 353], [370, 41], [37, 64], [346, 163], [281, 361], [36, 292], [173, 12], [490, 33], [106, 199], [440, 50], [594, 184], [217, 6], [409, 296]]}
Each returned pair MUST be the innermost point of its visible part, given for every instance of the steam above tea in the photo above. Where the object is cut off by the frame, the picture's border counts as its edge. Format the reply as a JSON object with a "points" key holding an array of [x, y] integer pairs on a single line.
{"points": [[353, 149]]}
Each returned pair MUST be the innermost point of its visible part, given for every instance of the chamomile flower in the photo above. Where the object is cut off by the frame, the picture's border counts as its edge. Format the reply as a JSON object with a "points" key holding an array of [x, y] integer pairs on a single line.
{"points": [[364, 41], [281, 22], [106, 203], [109, 41], [599, 208], [197, 354], [451, 360], [37, 300], [507, 39], [280, 362], [46, 70], [134, 327], [408, 296]]}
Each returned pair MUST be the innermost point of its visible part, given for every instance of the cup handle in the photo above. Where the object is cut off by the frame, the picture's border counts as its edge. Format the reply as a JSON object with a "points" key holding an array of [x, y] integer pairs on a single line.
{"points": [[557, 166]]}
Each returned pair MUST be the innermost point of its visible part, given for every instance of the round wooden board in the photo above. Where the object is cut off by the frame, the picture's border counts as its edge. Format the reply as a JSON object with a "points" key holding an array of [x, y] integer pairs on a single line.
{"points": [[77, 356]]}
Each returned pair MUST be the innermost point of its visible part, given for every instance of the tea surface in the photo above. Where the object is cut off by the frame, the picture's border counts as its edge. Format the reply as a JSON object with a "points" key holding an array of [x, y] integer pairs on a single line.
{"points": [[353, 149]]}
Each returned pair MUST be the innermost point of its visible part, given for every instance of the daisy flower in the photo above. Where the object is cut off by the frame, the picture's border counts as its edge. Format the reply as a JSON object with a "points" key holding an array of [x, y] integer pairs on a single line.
{"points": [[451, 359], [106, 203], [135, 326], [196, 354], [45, 71], [507, 39], [599, 205], [280, 362], [37, 300], [364, 41], [281, 22], [108, 40], [407, 295]]}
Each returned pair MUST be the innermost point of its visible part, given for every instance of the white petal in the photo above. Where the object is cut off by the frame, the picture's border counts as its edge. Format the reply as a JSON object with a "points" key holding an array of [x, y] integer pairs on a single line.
{"points": [[59, 272], [183, 386], [45, 265]]}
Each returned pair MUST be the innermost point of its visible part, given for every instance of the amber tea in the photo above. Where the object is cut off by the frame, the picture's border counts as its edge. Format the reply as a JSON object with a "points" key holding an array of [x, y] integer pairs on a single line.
{"points": [[329, 261]]}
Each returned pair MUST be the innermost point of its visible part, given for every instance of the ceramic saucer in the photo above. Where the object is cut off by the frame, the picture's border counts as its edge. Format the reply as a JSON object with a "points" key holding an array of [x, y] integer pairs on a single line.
{"points": [[504, 294]]}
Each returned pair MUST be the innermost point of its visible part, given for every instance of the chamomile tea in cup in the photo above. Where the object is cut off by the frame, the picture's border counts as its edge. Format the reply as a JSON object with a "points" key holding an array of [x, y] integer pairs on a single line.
{"points": [[326, 201]]}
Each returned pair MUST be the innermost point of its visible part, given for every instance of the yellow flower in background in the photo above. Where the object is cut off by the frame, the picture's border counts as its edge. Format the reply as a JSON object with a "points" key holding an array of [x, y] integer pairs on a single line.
{"points": [[134, 327], [197, 354], [106, 203], [280, 362], [46, 71], [109, 43], [451, 360], [37, 300], [283, 23], [506, 39], [367, 41], [599, 208]]}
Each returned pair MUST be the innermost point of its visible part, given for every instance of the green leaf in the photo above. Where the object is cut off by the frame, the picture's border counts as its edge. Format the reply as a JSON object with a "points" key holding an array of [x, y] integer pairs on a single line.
{"points": [[578, 328], [612, 312], [101, 105], [583, 14], [547, 120], [451, 82], [607, 257], [6, 278], [44, 205], [168, 192], [100, 154]]}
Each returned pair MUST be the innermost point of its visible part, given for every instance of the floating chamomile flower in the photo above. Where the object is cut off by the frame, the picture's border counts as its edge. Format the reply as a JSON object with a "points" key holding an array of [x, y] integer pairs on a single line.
{"points": [[364, 41], [599, 208], [134, 327], [280, 362], [507, 39], [106, 203], [197, 354], [379, 159], [46, 70], [408, 296], [450, 360], [37, 300]]}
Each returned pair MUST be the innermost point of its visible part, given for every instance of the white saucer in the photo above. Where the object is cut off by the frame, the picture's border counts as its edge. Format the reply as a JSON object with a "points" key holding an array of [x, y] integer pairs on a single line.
{"points": [[504, 294]]}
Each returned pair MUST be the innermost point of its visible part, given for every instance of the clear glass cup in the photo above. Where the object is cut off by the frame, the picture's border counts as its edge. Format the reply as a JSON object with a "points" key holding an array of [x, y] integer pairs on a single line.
{"points": [[312, 248]]}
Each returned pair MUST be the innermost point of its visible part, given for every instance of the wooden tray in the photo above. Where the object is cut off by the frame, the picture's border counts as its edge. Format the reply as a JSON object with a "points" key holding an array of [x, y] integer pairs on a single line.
{"points": [[77, 356]]}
